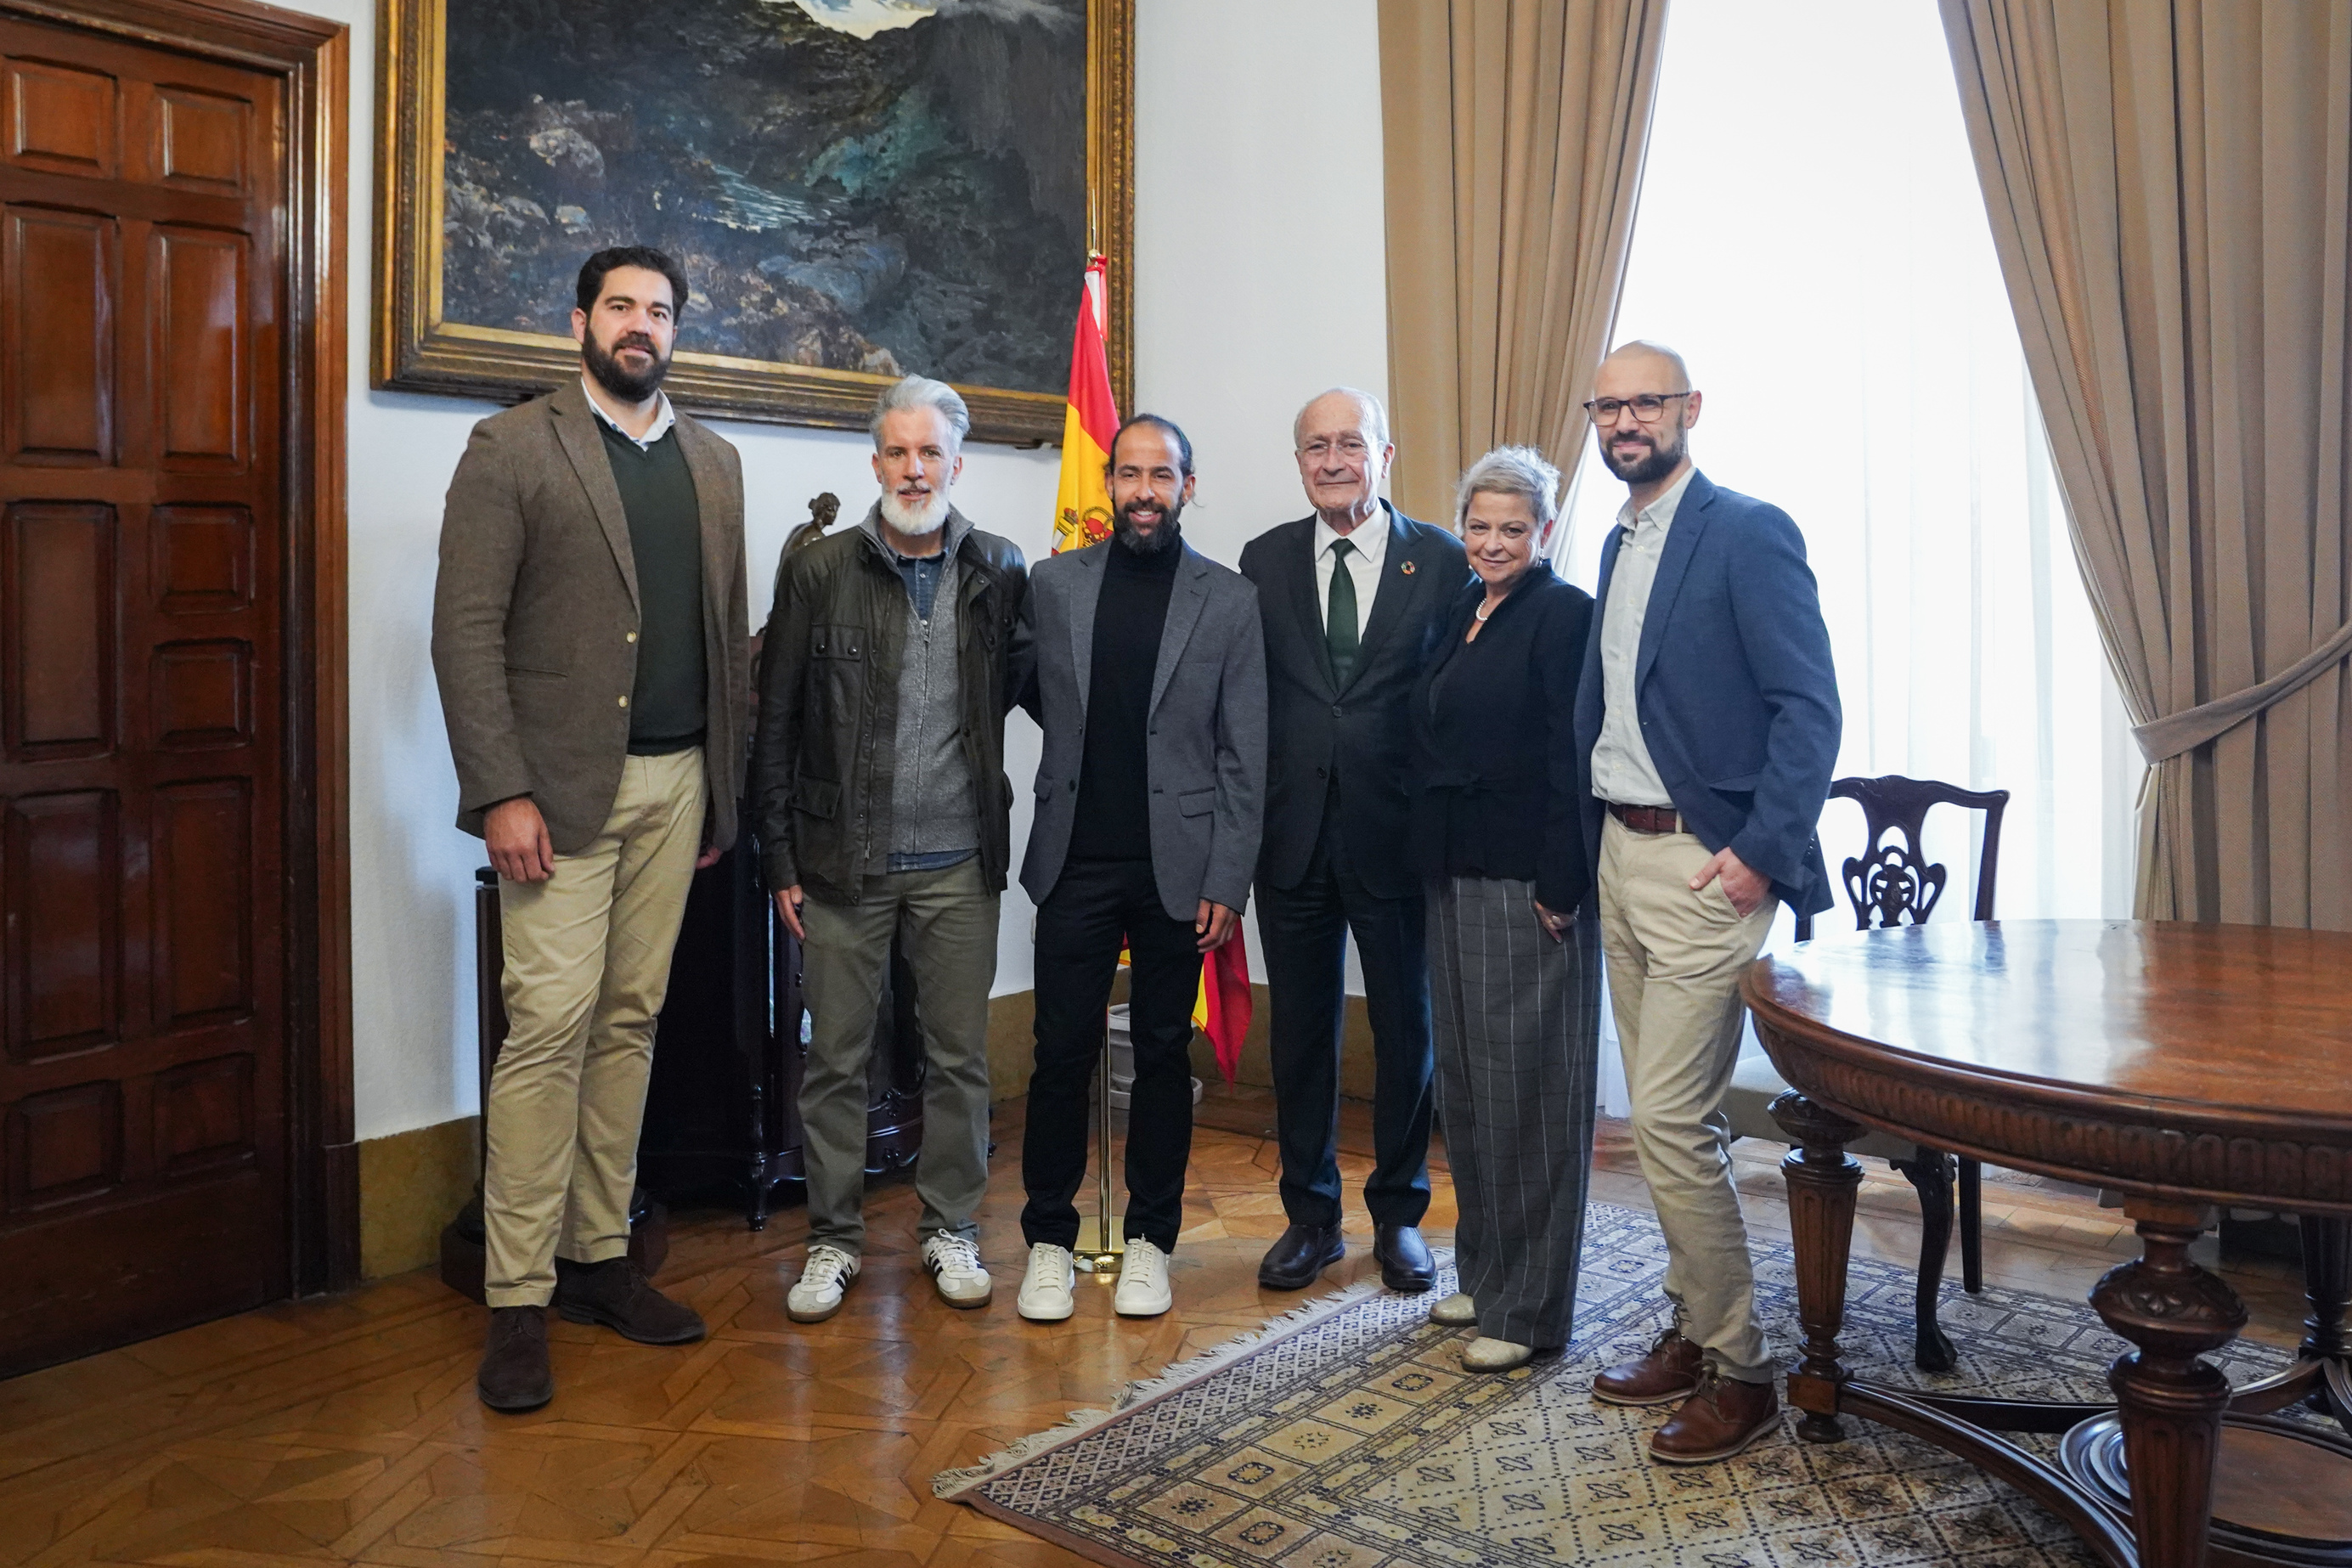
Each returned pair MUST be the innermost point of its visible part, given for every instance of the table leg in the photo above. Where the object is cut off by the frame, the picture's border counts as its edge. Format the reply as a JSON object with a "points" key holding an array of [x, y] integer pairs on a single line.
{"points": [[1823, 1180], [2170, 1398], [2327, 1282], [1930, 1172]]}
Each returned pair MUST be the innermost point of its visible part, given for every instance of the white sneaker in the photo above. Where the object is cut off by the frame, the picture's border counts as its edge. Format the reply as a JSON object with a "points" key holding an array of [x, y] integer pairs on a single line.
{"points": [[817, 1295], [1048, 1291], [957, 1270], [1457, 1311], [1142, 1281]]}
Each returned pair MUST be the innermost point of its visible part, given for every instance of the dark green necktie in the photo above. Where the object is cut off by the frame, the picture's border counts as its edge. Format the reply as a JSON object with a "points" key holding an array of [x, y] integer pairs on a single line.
{"points": [[1340, 619]]}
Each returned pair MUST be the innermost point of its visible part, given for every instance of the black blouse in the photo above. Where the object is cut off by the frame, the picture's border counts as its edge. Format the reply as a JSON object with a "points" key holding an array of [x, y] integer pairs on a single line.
{"points": [[1494, 723]]}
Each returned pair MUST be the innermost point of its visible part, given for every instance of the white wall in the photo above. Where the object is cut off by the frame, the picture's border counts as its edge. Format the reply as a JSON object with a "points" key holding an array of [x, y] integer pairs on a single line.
{"points": [[1260, 258], [1261, 262], [1259, 281]]}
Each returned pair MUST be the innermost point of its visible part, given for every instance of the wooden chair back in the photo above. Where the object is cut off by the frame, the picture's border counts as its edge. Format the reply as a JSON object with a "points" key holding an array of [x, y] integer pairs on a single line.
{"points": [[1894, 883]]}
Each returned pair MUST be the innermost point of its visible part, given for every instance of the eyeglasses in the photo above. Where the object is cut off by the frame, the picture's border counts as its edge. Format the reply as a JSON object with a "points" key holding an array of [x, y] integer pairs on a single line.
{"points": [[1646, 406], [1354, 448]]}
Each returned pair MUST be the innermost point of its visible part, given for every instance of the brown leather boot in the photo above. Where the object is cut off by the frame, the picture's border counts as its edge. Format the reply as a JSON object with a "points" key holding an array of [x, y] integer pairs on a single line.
{"points": [[617, 1294], [1666, 1374], [1723, 1416], [514, 1373]]}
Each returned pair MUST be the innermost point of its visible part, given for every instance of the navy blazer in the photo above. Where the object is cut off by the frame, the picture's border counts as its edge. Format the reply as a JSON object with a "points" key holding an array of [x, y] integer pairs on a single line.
{"points": [[1733, 681]]}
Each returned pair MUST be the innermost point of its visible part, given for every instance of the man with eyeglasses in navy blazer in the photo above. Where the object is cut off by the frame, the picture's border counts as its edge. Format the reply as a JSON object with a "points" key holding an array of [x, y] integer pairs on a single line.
{"points": [[1708, 724]]}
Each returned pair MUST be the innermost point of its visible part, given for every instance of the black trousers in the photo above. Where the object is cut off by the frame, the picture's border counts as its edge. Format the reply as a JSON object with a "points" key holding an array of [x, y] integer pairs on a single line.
{"points": [[1096, 906], [1304, 928]]}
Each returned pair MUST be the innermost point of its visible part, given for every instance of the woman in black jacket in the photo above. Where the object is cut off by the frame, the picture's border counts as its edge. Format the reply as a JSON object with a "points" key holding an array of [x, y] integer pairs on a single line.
{"points": [[1513, 946]]}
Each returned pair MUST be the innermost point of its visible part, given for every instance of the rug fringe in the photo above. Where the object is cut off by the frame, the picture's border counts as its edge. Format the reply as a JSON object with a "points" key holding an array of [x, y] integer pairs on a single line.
{"points": [[1077, 1423], [1181, 1373], [948, 1484]]}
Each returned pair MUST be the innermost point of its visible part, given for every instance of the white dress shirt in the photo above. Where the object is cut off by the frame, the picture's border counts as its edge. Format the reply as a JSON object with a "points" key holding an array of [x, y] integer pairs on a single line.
{"points": [[1621, 769], [1370, 543], [662, 419]]}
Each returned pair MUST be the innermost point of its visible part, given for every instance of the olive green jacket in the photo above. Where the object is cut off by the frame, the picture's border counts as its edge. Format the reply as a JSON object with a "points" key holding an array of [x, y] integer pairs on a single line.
{"points": [[821, 764]]}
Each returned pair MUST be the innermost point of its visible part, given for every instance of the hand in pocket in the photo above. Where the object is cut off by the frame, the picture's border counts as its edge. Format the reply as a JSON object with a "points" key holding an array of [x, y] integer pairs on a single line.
{"points": [[1743, 887]]}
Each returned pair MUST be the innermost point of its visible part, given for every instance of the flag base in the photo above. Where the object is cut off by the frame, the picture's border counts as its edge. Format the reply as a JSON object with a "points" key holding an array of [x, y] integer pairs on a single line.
{"points": [[1090, 1255]]}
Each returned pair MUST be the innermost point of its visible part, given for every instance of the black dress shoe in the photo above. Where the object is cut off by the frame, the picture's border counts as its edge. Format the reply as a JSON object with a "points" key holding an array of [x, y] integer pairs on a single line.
{"points": [[1403, 1257], [1303, 1252]]}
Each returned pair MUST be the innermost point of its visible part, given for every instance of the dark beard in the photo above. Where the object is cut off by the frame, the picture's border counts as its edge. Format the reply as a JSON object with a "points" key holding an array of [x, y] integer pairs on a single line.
{"points": [[613, 378], [1163, 538], [1645, 470]]}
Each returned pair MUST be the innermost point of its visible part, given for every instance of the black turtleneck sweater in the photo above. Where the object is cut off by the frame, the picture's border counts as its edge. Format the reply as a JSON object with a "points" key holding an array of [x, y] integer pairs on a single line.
{"points": [[1114, 819]]}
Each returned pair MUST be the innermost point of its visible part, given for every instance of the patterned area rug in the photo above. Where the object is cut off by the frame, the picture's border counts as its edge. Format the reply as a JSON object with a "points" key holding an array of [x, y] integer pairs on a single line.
{"points": [[1347, 1435]]}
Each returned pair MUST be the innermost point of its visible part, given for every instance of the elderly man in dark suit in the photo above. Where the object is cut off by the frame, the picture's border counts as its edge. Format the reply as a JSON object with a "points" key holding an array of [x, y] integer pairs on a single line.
{"points": [[1708, 723], [591, 639], [1355, 597], [1142, 661]]}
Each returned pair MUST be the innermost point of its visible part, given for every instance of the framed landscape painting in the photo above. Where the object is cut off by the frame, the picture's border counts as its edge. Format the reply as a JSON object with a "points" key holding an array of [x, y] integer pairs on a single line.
{"points": [[857, 190]]}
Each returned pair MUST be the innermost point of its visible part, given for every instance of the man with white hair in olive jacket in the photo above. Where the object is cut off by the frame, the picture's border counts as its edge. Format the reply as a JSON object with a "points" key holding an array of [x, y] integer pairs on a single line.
{"points": [[879, 778]]}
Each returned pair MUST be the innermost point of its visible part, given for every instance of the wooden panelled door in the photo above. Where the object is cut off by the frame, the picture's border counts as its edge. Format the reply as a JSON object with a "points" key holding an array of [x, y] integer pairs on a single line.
{"points": [[142, 793]]}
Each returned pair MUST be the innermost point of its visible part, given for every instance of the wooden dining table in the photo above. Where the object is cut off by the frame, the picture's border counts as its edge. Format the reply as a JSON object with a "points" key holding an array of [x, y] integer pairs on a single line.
{"points": [[2184, 1067]]}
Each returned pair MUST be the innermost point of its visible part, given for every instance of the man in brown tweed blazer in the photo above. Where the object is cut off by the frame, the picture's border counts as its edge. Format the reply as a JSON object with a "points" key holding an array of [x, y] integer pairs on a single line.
{"points": [[590, 634]]}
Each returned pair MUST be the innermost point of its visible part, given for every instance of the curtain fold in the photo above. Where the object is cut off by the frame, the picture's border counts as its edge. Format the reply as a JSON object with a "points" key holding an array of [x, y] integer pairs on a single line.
{"points": [[2169, 184], [1513, 136]]}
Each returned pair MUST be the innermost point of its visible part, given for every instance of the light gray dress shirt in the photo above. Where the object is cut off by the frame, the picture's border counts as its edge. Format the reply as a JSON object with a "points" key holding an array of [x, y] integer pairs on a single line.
{"points": [[1370, 542], [1621, 769]]}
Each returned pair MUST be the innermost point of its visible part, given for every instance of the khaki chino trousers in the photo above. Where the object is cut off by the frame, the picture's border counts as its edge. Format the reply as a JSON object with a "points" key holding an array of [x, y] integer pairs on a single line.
{"points": [[1674, 958], [587, 965]]}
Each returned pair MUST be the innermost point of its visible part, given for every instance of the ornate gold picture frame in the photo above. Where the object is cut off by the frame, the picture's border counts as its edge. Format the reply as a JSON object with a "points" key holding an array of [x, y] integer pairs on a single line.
{"points": [[486, 207]]}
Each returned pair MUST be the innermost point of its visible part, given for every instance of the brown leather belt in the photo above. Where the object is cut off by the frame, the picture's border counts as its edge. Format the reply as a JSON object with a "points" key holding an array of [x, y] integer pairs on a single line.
{"points": [[1647, 818]]}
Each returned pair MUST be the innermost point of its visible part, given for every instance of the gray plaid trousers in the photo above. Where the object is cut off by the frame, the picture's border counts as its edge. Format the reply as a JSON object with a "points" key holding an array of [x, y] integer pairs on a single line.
{"points": [[1518, 1019]]}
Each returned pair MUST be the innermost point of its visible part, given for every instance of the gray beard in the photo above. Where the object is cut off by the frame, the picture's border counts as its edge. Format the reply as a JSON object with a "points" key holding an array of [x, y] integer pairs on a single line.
{"points": [[917, 522]]}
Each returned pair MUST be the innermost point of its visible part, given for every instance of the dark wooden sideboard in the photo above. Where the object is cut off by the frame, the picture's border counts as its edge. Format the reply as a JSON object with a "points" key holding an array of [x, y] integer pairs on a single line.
{"points": [[723, 1114]]}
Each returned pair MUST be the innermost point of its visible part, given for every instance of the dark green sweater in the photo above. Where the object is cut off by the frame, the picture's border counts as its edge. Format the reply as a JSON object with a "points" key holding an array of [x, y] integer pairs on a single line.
{"points": [[665, 709]]}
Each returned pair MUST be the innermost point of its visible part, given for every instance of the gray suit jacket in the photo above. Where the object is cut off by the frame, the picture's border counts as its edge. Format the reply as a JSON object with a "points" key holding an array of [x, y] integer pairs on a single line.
{"points": [[1207, 741], [535, 618]]}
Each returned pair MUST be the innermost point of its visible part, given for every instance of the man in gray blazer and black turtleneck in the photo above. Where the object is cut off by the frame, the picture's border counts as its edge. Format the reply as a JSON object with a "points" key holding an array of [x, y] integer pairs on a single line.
{"points": [[1354, 599], [1143, 662]]}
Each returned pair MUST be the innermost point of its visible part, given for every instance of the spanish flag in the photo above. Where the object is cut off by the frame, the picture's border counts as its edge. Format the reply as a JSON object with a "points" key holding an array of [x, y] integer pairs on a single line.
{"points": [[1221, 1008], [1082, 503]]}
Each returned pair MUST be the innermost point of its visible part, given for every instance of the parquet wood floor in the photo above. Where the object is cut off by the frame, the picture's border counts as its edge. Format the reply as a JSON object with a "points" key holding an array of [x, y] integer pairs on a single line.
{"points": [[346, 1430]]}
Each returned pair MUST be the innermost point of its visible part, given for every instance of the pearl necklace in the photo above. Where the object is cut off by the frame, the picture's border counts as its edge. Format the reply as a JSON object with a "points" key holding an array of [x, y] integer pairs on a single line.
{"points": [[1484, 610]]}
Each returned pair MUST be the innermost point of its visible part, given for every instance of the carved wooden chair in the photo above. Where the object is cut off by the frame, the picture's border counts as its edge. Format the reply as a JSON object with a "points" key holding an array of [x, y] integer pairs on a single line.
{"points": [[1890, 883]]}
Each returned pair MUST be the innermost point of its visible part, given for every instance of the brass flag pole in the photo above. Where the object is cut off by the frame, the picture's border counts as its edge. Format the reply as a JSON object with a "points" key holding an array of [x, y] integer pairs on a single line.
{"points": [[1098, 1250]]}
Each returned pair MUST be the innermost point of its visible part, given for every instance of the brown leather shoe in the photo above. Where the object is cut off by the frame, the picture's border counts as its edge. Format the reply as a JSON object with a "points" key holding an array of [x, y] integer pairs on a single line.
{"points": [[1723, 1416], [1669, 1372], [514, 1375], [617, 1294]]}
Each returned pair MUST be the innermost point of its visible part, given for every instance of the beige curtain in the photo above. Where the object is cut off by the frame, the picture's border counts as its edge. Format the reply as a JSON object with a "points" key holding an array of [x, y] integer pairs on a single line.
{"points": [[1515, 130], [2170, 188]]}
